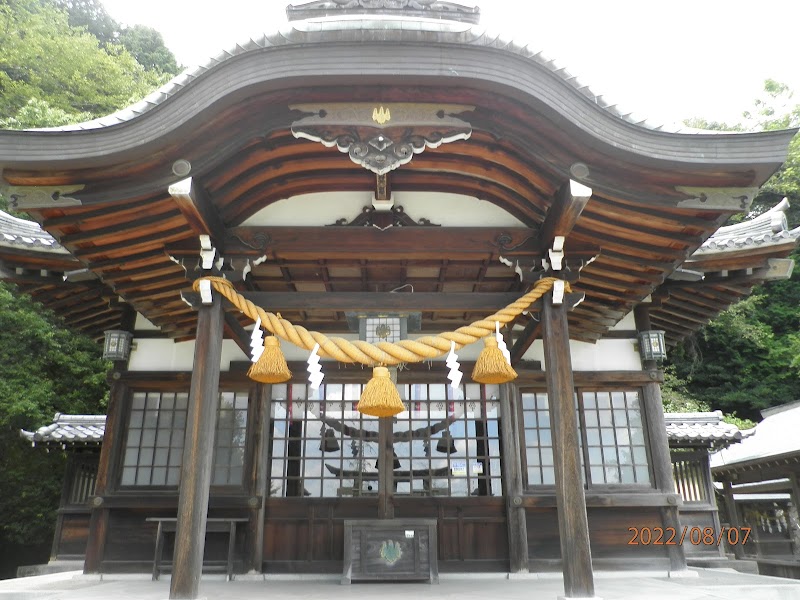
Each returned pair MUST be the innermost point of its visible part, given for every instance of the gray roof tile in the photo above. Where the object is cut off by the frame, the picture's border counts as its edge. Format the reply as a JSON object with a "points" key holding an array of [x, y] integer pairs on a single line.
{"points": [[703, 427], [69, 429]]}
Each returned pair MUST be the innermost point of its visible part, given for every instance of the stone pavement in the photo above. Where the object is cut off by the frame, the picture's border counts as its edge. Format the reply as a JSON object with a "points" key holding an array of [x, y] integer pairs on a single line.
{"points": [[699, 584]]}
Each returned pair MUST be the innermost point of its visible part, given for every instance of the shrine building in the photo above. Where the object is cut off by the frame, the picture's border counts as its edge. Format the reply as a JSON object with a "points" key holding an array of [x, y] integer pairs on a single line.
{"points": [[371, 175]]}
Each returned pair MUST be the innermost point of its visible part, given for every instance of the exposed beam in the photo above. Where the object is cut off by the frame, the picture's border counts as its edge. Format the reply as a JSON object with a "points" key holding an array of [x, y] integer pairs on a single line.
{"points": [[195, 203], [292, 243], [239, 334], [454, 302], [569, 202], [532, 331]]}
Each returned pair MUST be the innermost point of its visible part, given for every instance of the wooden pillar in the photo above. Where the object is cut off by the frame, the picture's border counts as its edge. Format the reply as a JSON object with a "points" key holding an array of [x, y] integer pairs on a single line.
{"points": [[733, 516], [257, 479], [385, 469], [659, 447], [512, 483], [573, 524], [198, 453], [110, 451]]}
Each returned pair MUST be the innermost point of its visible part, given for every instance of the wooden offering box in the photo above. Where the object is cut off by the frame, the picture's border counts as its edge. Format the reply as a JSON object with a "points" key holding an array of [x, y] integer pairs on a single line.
{"points": [[390, 550]]}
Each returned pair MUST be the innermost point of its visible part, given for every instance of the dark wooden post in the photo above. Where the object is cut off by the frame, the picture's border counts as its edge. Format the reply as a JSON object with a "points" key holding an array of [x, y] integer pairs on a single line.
{"points": [[573, 523], [98, 521], [733, 516], [385, 469], [257, 479], [659, 446], [109, 457], [198, 453], [512, 484]]}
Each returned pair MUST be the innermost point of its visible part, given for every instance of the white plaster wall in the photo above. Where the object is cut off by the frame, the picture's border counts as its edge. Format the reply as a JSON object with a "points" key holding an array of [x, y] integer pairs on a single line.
{"points": [[453, 210], [166, 355], [605, 355], [142, 324]]}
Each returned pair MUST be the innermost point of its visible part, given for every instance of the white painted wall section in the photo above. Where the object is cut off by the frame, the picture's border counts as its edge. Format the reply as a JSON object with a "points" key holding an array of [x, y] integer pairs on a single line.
{"points": [[452, 210]]}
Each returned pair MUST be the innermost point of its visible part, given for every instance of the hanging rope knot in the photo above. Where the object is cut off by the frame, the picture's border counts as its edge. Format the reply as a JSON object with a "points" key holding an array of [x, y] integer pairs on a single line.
{"points": [[382, 353]]}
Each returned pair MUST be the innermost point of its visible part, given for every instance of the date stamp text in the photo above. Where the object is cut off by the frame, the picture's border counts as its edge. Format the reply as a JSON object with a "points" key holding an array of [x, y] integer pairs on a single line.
{"points": [[697, 536]]}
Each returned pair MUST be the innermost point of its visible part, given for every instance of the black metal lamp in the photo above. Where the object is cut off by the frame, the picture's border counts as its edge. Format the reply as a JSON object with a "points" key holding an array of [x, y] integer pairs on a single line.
{"points": [[651, 345], [117, 344]]}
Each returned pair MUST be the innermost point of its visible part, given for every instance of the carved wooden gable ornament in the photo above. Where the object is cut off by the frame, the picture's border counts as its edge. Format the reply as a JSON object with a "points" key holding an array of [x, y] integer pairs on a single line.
{"points": [[382, 137]]}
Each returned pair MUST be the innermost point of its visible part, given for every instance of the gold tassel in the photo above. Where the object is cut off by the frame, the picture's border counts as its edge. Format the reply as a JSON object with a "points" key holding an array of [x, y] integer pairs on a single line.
{"points": [[271, 366], [492, 366], [380, 397]]}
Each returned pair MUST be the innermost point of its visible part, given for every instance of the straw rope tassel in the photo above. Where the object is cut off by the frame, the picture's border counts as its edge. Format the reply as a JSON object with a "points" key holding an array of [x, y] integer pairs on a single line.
{"points": [[382, 353], [271, 366], [380, 397], [492, 366]]}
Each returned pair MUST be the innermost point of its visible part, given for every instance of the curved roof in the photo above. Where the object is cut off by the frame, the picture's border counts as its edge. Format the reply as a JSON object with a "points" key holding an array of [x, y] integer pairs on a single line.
{"points": [[393, 29], [229, 125]]}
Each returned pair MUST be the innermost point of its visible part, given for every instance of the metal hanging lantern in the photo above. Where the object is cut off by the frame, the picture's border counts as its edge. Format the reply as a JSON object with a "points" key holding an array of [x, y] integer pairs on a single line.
{"points": [[652, 345], [117, 344]]}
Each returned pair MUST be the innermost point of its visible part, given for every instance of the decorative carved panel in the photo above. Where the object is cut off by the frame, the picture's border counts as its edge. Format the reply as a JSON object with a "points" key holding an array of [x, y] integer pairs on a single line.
{"points": [[381, 137], [25, 197], [396, 217]]}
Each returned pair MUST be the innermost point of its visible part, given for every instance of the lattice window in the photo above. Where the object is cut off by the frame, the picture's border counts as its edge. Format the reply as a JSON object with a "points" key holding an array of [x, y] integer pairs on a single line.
{"points": [[155, 439], [230, 440], [612, 441], [442, 445], [538, 439], [614, 438]]}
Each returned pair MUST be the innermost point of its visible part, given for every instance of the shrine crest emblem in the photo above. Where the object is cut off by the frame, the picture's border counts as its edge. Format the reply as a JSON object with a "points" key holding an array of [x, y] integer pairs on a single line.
{"points": [[391, 552]]}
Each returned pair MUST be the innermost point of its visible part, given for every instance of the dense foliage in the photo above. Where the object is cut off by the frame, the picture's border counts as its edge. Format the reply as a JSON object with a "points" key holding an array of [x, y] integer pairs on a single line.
{"points": [[44, 369], [749, 357], [52, 73], [54, 70]]}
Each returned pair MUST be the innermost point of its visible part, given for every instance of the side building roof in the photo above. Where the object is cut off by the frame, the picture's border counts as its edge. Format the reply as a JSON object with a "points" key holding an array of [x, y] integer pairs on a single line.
{"points": [[69, 430], [701, 429]]}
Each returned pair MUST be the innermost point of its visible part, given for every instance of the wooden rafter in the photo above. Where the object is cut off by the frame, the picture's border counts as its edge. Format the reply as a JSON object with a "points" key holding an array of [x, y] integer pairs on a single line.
{"points": [[569, 202], [196, 205]]}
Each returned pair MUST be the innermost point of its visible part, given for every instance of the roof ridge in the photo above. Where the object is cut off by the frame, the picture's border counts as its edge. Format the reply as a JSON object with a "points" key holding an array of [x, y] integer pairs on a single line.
{"points": [[288, 33]]}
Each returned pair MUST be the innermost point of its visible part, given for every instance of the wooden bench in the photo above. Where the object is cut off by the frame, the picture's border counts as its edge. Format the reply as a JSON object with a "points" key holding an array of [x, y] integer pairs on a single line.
{"points": [[170, 525]]}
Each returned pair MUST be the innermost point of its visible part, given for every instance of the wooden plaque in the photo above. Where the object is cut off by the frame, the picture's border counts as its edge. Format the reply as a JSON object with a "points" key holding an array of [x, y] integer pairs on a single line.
{"points": [[390, 550]]}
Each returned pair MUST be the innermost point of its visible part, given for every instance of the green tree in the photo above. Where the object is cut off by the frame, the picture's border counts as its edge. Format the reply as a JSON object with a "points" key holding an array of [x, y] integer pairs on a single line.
{"points": [[43, 58], [92, 16], [44, 369], [147, 47], [749, 357]]}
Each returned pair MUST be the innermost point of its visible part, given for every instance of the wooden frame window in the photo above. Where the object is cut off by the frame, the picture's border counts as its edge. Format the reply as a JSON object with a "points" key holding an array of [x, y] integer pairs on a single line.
{"points": [[443, 445], [612, 438], [154, 443]]}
